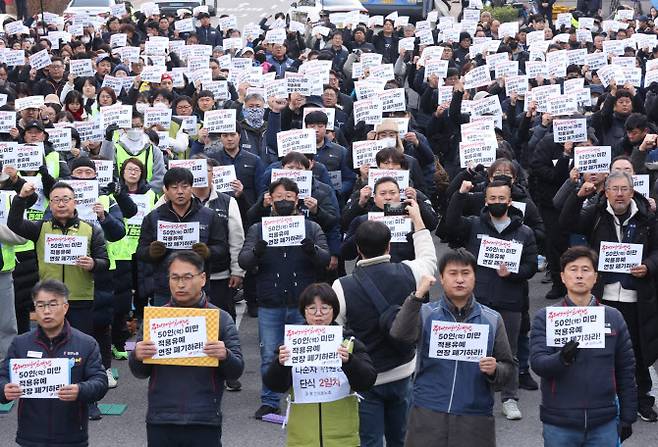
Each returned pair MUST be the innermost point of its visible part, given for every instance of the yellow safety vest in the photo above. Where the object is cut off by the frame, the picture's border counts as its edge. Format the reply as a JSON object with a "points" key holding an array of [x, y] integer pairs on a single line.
{"points": [[145, 156], [124, 249]]}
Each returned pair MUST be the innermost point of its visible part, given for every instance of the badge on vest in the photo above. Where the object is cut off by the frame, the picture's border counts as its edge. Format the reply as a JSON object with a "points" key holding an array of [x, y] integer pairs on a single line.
{"points": [[34, 354]]}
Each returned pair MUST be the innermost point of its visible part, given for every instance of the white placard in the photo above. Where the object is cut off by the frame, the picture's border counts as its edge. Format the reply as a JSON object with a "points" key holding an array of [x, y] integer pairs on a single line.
{"points": [[117, 114], [152, 73], [222, 176], [40, 378], [400, 226], [562, 105], [586, 325], [619, 257], [198, 167], [477, 77], [364, 153], [158, 115], [316, 384], [478, 152], [393, 100], [29, 157], [184, 25], [104, 172], [303, 179], [81, 67], [463, 342], [89, 130], [182, 337], [114, 82], [641, 184], [29, 102], [368, 110], [178, 235], [283, 231], [219, 121], [313, 345], [63, 249], [276, 36], [298, 140], [86, 195], [400, 175], [40, 60], [592, 158], [119, 40], [574, 130], [7, 121], [494, 251]]}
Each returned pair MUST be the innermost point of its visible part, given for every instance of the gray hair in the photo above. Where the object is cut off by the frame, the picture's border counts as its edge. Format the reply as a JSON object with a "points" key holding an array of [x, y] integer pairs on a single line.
{"points": [[617, 175], [256, 96], [53, 286]]}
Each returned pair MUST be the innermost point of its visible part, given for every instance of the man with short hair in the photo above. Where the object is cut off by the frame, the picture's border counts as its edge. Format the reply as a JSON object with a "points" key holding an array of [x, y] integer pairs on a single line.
{"points": [[181, 207], [62, 421], [579, 402], [453, 400], [54, 83], [374, 287], [623, 216], [184, 402]]}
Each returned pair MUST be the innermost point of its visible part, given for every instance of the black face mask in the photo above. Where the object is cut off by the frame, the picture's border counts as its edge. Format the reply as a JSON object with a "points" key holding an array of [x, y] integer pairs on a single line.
{"points": [[497, 210], [284, 207]]}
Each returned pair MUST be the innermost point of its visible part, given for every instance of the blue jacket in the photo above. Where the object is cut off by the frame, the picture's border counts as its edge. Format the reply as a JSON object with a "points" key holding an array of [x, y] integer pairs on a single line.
{"points": [[184, 395], [280, 67], [451, 386], [284, 272], [209, 36], [52, 421], [583, 394]]}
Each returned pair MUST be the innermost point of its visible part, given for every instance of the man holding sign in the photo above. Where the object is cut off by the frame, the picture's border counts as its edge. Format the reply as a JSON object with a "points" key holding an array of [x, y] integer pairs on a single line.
{"points": [[39, 353], [506, 254], [622, 228], [191, 414], [578, 401], [464, 357]]}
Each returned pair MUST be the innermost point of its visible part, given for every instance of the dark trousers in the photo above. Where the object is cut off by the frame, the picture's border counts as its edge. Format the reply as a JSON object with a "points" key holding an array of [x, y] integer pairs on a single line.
{"points": [[642, 376], [221, 295], [21, 9], [183, 435], [81, 316], [103, 336], [556, 242]]}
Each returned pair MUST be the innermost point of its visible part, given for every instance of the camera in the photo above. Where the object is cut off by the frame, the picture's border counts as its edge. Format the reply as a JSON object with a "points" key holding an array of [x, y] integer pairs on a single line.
{"points": [[396, 209]]}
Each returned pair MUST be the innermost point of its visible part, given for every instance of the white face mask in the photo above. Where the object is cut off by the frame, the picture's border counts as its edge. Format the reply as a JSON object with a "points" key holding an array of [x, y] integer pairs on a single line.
{"points": [[134, 134], [159, 105], [389, 142], [141, 106], [86, 39]]}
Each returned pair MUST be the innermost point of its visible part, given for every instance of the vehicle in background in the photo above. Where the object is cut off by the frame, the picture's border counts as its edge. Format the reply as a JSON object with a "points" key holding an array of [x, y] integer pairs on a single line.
{"points": [[171, 6], [88, 7]]}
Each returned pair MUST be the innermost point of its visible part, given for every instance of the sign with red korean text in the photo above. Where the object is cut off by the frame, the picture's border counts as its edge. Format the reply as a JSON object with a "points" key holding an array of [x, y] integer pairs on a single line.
{"points": [[283, 231], [494, 251], [313, 345], [178, 235], [619, 257], [40, 378], [180, 334], [458, 341], [586, 325], [64, 249]]}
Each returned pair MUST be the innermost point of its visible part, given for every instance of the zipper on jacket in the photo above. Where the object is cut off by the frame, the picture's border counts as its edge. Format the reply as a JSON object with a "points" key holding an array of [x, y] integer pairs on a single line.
{"points": [[585, 420], [454, 375], [320, 421]]}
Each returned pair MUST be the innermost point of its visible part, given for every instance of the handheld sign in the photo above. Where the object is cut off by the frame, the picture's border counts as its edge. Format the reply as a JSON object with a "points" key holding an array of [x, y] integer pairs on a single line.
{"points": [[586, 325], [364, 153], [619, 257], [303, 179], [316, 384], [104, 172], [298, 140], [60, 138], [400, 175], [180, 333], [313, 345], [222, 176], [400, 226], [198, 167], [283, 231], [480, 152], [7, 121], [86, 195], [641, 184], [219, 121], [592, 158], [29, 157], [458, 341], [178, 235], [494, 252], [329, 111], [574, 130], [40, 378], [63, 249]]}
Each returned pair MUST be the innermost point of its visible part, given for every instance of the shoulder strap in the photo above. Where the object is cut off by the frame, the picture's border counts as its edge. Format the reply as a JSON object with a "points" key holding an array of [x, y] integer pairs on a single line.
{"points": [[372, 292]]}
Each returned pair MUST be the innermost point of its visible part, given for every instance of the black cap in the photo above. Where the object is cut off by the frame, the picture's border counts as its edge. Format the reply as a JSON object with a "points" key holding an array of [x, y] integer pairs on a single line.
{"points": [[35, 124], [202, 15], [80, 162]]}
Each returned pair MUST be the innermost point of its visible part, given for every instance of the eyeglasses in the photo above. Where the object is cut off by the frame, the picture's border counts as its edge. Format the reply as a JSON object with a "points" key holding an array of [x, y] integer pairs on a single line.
{"points": [[313, 309], [619, 189], [138, 170], [186, 278], [58, 200], [183, 106], [54, 305]]}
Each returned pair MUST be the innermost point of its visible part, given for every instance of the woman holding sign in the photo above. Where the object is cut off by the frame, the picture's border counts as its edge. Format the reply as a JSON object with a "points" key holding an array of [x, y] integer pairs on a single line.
{"points": [[331, 418]]}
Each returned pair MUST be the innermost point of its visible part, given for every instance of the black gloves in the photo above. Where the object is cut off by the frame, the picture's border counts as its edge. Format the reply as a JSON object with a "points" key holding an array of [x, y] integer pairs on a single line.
{"points": [[110, 131], [157, 250], [308, 246], [114, 188], [568, 352], [625, 431], [259, 248]]}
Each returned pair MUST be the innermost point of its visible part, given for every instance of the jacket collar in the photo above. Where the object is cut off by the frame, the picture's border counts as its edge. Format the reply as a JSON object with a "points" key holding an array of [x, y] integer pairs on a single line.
{"points": [[568, 303], [62, 336], [201, 304], [72, 222], [471, 309], [373, 261], [515, 215]]}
